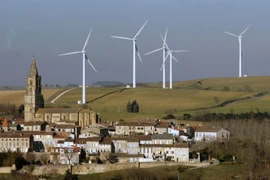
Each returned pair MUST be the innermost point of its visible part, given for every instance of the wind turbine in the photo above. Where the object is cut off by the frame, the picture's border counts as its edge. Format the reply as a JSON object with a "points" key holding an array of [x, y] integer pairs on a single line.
{"points": [[83, 52], [169, 53], [164, 54], [135, 50], [240, 47]]}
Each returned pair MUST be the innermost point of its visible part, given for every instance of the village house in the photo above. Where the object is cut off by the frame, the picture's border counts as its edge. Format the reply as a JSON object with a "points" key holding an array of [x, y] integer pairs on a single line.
{"points": [[34, 126], [119, 145], [211, 133], [72, 130], [43, 141], [16, 142], [61, 136], [65, 143], [133, 146], [65, 155], [175, 152], [5, 125], [161, 128], [162, 139], [105, 145], [173, 130], [92, 145], [144, 139], [133, 128]]}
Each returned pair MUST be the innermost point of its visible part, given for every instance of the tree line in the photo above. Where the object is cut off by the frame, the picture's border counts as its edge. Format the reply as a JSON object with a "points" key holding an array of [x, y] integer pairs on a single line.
{"points": [[11, 110], [132, 107]]}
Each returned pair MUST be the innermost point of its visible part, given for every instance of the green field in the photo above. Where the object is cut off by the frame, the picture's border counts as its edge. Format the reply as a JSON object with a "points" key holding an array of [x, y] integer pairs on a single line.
{"points": [[193, 96], [154, 101]]}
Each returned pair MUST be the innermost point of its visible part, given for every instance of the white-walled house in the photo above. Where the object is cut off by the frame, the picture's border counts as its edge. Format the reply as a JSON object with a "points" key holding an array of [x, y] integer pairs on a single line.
{"points": [[211, 134], [174, 132], [176, 152]]}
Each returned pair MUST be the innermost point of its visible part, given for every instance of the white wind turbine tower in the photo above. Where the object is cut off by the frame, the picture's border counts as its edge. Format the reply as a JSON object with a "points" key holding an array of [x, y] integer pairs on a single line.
{"points": [[83, 52], [169, 53], [240, 47], [164, 54], [135, 50]]}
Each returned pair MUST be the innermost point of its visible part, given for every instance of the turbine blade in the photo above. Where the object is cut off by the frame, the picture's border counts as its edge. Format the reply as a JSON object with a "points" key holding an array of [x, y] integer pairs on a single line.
{"points": [[175, 59], [245, 30], [161, 67], [140, 30], [164, 43], [165, 36], [65, 54], [154, 51], [87, 39], [162, 38], [230, 34], [137, 51], [119, 37], [90, 63]]}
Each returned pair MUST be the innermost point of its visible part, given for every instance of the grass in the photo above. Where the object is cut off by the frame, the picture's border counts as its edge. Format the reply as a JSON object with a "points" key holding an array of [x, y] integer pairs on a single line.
{"points": [[211, 173], [17, 96], [222, 172], [256, 83], [153, 102]]}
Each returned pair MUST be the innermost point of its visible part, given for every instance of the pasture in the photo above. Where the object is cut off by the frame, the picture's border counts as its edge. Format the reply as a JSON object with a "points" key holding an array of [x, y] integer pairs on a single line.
{"points": [[17, 96], [192, 97]]}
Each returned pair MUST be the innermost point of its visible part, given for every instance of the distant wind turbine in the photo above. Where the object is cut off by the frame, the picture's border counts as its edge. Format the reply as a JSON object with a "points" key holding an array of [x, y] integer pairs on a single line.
{"points": [[83, 70], [135, 50], [240, 47], [169, 53], [163, 60]]}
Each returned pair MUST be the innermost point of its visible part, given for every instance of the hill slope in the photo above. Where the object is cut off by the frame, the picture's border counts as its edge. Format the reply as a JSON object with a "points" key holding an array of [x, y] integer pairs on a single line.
{"points": [[156, 102], [153, 102]]}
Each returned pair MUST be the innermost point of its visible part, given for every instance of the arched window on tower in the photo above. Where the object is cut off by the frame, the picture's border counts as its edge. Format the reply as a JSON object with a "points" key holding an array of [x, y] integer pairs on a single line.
{"points": [[30, 82]]}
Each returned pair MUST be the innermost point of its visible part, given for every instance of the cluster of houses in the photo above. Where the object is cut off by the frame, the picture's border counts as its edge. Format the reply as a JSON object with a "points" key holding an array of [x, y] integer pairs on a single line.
{"points": [[64, 141], [65, 134]]}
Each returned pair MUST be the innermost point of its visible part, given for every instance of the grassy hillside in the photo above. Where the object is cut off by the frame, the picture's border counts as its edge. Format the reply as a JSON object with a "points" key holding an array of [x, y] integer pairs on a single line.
{"points": [[17, 96], [256, 84], [153, 102]]}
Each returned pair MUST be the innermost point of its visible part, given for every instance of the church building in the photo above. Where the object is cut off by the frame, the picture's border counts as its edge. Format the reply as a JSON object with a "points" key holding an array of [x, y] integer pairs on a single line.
{"points": [[33, 99], [34, 105]]}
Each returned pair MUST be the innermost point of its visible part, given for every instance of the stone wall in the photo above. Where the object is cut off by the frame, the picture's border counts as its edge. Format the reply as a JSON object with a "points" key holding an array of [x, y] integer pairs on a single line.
{"points": [[100, 168]]}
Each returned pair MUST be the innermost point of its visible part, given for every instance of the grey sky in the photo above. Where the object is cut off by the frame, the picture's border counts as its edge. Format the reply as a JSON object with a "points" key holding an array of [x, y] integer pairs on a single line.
{"points": [[51, 27]]}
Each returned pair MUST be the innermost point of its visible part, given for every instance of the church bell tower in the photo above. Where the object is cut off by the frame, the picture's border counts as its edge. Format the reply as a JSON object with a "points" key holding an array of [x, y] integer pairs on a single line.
{"points": [[33, 99]]}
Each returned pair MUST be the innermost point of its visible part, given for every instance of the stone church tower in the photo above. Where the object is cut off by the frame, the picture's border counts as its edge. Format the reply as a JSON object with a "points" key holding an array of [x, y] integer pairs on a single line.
{"points": [[33, 99]]}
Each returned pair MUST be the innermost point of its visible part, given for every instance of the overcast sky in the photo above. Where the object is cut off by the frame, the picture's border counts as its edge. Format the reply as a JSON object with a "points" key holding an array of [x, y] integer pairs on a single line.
{"points": [[50, 27]]}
